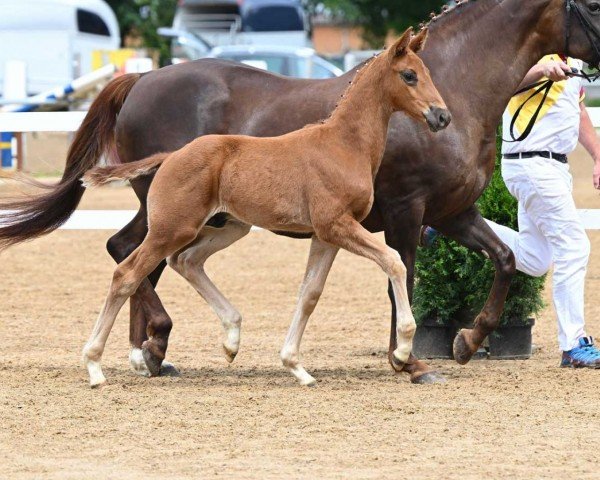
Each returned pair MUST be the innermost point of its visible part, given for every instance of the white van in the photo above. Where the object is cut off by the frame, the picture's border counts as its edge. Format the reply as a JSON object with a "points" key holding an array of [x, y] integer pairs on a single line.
{"points": [[55, 38]]}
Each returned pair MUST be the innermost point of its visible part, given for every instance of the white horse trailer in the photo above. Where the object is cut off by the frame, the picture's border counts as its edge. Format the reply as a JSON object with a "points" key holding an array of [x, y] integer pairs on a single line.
{"points": [[245, 22], [54, 38]]}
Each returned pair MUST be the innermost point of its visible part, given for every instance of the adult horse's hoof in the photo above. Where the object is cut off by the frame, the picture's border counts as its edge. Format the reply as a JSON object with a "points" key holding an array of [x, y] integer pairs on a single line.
{"points": [[397, 365], [152, 361], [462, 348], [428, 378], [167, 369], [137, 363]]}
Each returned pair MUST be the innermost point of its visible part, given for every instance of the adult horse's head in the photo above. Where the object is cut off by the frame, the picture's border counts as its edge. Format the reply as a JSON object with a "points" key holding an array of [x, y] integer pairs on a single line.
{"points": [[412, 89], [582, 29]]}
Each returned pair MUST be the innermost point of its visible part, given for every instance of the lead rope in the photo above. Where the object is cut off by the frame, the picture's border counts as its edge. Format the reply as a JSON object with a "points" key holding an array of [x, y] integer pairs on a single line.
{"points": [[544, 86]]}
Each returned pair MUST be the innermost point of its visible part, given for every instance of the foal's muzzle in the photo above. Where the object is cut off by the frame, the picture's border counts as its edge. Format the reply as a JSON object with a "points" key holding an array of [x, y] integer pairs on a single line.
{"points": [[438, 118]]}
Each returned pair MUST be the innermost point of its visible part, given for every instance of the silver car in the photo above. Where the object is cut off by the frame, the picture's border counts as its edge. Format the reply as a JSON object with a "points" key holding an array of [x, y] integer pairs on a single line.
{"points": [[290, 61]]}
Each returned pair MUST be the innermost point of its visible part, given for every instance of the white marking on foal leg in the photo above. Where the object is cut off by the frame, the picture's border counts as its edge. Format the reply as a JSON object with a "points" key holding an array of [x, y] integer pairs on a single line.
{"points": [[137, 362], [190, 265], [405, 321], [320, 259], [97, 378], [118, 292]]}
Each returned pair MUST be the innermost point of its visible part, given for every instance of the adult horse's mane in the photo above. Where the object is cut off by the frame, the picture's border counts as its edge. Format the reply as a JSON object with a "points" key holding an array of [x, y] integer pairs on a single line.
{"points": [[450, 13]]}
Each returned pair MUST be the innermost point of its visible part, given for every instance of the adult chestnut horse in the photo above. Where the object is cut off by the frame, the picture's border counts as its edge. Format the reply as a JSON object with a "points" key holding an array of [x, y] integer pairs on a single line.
{"points": [[317, 180], [478, 53]]}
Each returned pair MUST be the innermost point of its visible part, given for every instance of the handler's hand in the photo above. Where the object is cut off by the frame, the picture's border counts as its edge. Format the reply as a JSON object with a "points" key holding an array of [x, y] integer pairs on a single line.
{"points": [[555, 70], [597, 175]]}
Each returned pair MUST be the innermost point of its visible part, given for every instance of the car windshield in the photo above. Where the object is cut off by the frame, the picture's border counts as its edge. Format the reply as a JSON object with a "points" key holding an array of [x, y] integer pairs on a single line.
{"points": [[272, 19]]}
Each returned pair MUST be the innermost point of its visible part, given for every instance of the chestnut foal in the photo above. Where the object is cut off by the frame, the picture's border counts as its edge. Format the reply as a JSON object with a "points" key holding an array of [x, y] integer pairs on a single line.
{"points": [[315, 180]]}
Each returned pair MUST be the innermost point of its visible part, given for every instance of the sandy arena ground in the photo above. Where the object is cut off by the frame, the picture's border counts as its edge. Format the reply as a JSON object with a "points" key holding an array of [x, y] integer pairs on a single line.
{"points": [[511, 419]]}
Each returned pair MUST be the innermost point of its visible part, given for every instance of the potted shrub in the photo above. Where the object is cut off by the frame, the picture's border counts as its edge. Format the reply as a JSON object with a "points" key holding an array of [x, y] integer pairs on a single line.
{"points": [[452, 284]]}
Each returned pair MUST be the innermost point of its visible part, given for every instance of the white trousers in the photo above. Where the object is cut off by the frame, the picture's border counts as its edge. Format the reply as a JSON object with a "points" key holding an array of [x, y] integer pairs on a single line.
{"points": [[550, 232]]}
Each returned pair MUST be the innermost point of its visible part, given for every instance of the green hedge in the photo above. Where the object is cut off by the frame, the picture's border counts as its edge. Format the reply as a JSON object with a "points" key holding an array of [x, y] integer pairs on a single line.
{"points": [[452, 282]]}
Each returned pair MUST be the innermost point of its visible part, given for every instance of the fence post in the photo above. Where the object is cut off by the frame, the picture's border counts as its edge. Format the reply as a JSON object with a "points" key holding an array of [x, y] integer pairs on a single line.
{"points": [[20, 151]]}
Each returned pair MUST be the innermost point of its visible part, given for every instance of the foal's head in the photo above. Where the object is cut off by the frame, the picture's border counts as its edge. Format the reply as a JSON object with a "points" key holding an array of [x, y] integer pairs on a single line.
{"points": [[409, 83]]}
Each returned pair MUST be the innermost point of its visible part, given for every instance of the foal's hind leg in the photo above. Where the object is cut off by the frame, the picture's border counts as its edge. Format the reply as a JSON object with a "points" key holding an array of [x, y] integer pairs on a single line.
{"points": [[190, 265], [347, 233], [127, 277], [144, 303], [319, 263]]}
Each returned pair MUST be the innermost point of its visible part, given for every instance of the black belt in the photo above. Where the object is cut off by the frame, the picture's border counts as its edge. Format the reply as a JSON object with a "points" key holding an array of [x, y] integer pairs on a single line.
{"points": [[559, 157]]}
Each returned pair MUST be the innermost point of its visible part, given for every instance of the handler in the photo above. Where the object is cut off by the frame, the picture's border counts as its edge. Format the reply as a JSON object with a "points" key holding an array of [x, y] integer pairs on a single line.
{"points": [[536, 172]]}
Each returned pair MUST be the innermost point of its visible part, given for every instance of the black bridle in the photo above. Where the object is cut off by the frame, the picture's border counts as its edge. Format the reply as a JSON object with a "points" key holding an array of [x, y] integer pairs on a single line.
{"points": [[590, 30], [544, 87]]}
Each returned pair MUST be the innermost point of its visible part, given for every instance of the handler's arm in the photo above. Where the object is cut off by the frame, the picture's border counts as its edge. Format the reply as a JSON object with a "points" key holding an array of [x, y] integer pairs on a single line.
{"points": [[554, 70], [589, 139]]}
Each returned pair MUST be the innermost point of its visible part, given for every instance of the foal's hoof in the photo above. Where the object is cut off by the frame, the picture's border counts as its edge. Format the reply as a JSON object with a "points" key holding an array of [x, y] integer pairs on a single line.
{"points": [[152, 362], [428, 378], [167, 369], [229, 354], [463, 351]]}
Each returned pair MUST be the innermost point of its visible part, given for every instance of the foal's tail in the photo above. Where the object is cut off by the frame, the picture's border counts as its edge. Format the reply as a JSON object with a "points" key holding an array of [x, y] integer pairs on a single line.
{"points": [[101, 175], [28, 218]]}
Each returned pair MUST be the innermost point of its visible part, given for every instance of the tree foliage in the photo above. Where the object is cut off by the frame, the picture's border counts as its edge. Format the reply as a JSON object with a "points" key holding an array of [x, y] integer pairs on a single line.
{"points": [[144, 17], [377, 17]]}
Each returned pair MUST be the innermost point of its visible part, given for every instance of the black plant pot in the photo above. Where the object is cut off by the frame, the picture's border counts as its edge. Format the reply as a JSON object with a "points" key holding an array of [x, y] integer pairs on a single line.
{"points": [[433, 340], [512, 341]]}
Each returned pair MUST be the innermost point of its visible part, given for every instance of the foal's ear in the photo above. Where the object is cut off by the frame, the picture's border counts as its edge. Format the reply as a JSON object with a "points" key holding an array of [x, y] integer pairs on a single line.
{"points": [[398, 49], [418, 42]]}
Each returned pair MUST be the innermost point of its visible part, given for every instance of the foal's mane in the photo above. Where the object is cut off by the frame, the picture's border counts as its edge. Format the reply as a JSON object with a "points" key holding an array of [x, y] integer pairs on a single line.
{"points": [[360, 72]]}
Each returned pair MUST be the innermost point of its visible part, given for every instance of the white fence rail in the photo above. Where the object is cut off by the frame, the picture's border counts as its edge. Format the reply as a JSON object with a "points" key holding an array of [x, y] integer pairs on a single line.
{"points": [[116, 219]]}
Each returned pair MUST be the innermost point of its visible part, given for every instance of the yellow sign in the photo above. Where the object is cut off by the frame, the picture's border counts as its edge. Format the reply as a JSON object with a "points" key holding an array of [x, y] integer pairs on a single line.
{"points": [[116, 57]]}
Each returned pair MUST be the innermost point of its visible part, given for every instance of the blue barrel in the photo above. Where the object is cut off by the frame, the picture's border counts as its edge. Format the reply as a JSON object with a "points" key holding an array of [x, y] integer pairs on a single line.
{"points": [[6, 149]]}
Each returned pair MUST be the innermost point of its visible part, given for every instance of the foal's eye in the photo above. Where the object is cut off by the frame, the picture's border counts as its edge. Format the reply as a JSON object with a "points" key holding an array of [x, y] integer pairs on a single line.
{"points": [[410, 77], [594, 7]]}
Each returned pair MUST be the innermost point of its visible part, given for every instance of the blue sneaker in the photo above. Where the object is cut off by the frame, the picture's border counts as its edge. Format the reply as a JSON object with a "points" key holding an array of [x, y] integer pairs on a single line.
{"points": [[428, 237], [586, 355]]}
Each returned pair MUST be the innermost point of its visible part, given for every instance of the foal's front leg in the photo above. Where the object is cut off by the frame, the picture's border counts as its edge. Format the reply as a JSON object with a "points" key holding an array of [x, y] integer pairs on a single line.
{"points": [[350, 235], [320, 259]]}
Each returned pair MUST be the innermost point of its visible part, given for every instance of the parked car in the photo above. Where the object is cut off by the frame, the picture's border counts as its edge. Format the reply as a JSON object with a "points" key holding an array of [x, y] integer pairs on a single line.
{"points": [[245, 22], [293, 62], [55, 38]]}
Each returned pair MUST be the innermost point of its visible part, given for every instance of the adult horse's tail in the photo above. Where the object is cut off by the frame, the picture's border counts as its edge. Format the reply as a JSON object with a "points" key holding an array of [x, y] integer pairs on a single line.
{"points": [[35, 216]]}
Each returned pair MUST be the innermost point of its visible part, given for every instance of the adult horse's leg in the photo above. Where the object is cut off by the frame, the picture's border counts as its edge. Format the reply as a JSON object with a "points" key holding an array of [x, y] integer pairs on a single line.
{"points": [[190, 265], [402, 234], [471, 230]]}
